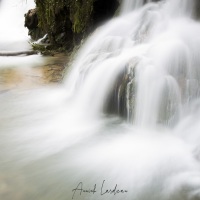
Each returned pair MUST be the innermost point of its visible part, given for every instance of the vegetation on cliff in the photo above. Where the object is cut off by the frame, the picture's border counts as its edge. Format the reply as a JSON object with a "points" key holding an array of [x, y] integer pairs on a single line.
{"points": [[66, 22]]}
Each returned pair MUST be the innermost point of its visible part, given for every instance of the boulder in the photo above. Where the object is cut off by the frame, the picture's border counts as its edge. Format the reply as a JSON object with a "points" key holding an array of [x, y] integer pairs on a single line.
{"points": [[31, 22]]}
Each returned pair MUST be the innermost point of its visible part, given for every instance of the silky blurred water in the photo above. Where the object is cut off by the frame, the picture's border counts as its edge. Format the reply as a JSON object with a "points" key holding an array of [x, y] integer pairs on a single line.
{"points": [[54, 140], [13, 35]]}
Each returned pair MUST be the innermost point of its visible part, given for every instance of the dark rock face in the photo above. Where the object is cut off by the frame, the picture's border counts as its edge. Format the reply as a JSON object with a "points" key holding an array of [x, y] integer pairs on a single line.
{"points": [[103, 10], [31, 22], [116, 102], [197, 9], [61, 34], [122, 95], [67, 21]]}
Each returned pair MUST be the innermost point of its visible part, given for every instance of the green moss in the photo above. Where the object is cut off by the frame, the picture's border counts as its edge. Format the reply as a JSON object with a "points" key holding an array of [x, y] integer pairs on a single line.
{"points": [[38, 47], [66, 22], [43, 49], [80, 14], [47, 10]]}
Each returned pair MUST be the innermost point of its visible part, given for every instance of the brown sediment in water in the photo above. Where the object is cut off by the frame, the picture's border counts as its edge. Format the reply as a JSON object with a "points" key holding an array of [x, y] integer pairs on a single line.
{"points": [[49, 72]]}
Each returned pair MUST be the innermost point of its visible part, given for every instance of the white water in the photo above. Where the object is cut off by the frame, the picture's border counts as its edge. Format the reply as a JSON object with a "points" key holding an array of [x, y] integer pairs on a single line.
{"points": [[13, 35], [51, 141], [129, 5]]}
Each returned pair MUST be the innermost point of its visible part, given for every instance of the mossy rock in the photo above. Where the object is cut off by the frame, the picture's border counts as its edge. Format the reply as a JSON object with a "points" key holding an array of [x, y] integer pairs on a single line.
{"points": [[67, 22]]}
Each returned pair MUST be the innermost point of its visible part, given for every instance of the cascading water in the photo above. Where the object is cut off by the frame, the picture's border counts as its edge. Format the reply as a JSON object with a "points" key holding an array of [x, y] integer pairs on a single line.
{"points": [[144, 63], [158, 48], [129, 5]]}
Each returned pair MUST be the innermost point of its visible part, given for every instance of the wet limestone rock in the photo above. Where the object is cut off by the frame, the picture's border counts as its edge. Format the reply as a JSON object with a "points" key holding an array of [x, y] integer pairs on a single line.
{"points": [[31, 22]]}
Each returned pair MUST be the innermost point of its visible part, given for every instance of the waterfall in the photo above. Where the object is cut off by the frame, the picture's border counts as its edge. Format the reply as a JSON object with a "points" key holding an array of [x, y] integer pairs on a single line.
{"points": [[126, 118], [129, 5], [145, 65], [157, 46]]}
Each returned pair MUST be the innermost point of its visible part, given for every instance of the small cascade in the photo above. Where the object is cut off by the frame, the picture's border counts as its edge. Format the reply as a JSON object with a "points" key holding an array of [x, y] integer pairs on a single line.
{"points": [[147, 71], [130, 5], [143, 66]]}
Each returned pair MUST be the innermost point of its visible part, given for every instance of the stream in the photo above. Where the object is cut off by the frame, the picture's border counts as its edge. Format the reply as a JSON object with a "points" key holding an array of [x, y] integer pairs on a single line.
{"points": [[57, 142]]}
